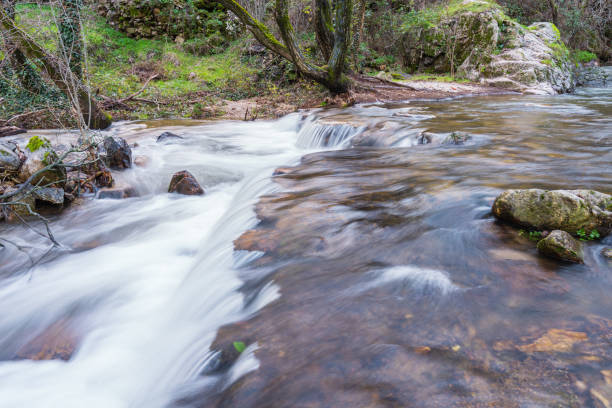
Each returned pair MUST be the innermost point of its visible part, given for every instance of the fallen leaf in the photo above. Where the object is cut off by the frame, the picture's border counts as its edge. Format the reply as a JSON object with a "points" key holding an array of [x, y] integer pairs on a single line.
{"points": [[556, 340]]}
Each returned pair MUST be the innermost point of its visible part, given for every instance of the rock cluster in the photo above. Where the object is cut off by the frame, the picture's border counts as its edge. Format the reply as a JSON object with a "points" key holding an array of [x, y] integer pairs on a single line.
{"points": [[488, 47], [583, 213], [179, 19], [567, 210], [50, 189]]}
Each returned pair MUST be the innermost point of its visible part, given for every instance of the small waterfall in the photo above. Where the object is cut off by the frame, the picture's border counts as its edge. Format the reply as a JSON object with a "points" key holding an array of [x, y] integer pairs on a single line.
{"points": [[315, 134]]}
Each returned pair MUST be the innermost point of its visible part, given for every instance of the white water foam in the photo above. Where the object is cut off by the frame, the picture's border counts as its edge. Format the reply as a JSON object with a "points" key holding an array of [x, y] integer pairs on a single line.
{"points": [[158, 277]]}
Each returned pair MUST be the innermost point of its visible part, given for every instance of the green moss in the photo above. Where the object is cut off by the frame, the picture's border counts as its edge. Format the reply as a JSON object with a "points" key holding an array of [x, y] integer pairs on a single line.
{"points": [[557, 32], [560, 51], [431, 17], [437, 78]]}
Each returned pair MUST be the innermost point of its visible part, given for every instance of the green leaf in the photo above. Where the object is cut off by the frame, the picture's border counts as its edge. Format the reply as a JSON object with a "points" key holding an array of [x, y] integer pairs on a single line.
{"points": [[239, 346]]}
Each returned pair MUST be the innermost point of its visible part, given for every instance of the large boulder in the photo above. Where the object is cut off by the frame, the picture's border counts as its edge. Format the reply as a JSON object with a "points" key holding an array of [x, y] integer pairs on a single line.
{"points": [[486, 46], [185, 183], [37, 161], [116, 153], [567, 210], [560, 245]]}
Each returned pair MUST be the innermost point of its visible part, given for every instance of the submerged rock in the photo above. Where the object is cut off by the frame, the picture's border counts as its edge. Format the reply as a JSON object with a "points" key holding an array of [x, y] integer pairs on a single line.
{"points": [[141, 161], [166, 136], [567, 210], [607, 253], [56, 342], [116, 153], [117, 193], [561, 245], [185, 183]]}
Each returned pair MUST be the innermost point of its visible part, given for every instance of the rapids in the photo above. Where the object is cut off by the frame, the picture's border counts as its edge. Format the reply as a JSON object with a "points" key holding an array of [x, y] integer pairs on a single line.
{"points": [[373, 275]]}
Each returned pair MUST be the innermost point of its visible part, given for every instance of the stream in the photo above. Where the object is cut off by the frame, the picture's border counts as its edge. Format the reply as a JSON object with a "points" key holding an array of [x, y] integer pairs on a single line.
{"points": [[356, 259]]}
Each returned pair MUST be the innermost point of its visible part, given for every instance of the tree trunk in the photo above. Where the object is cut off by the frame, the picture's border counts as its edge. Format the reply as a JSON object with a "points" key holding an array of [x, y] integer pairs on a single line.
{"points": [[554, 9], [59, 72], [332, 74], [70, 35], [324, 28], [27, 75], [337, 62]]}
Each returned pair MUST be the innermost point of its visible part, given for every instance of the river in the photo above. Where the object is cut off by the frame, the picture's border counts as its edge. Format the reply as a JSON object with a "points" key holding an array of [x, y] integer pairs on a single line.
{"points": [[366, 272]]}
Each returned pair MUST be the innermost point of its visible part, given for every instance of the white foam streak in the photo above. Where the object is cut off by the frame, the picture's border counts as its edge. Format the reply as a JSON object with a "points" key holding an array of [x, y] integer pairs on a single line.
{"points": [[159, 280], [422, 279]]}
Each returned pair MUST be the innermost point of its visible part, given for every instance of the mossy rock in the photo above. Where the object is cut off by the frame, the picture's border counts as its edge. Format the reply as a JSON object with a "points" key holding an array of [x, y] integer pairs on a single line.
{"points": [[567, 210], [560, 245]]}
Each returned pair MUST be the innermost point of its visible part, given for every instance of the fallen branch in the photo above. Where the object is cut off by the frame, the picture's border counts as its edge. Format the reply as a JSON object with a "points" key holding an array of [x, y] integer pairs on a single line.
{"points": [[22, 115], [111, 103], [11, 131]]}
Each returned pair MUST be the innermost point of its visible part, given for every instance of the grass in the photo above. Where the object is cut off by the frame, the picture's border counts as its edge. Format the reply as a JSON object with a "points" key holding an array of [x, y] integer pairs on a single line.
{"points": [[112, 54], [583, 56], [437, 78], [117, 66]]}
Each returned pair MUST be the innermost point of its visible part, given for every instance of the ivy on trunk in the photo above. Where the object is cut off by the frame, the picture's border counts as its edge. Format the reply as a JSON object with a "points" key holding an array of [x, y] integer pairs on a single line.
{"points": [[59, 71], [333, 38]]}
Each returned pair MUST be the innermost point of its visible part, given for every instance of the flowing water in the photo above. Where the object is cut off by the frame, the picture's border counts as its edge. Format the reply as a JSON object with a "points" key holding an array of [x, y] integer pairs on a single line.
{"points": [[370, 273]]}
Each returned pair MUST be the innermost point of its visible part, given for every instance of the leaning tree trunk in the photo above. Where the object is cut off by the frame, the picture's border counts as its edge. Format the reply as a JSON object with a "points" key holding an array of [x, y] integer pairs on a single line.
{"points": [[27, 75], [70, 35], [333, 39], [59, 72]]}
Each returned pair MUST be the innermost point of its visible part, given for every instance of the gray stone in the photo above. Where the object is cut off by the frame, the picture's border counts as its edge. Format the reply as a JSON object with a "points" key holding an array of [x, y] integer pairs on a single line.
{"points": [[37, 161], [50, 195], [116, 153], [561, 245], [567, 210], [490, 48], [117, 193], [9, 158]]}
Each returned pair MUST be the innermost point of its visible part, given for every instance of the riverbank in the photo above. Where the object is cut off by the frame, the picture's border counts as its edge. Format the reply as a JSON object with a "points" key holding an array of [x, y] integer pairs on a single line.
{"points": [[302, 95], [161, 78]]}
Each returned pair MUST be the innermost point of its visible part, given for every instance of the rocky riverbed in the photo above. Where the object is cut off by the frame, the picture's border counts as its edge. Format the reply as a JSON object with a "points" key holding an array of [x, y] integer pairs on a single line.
{"points": [[340, 257]]}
